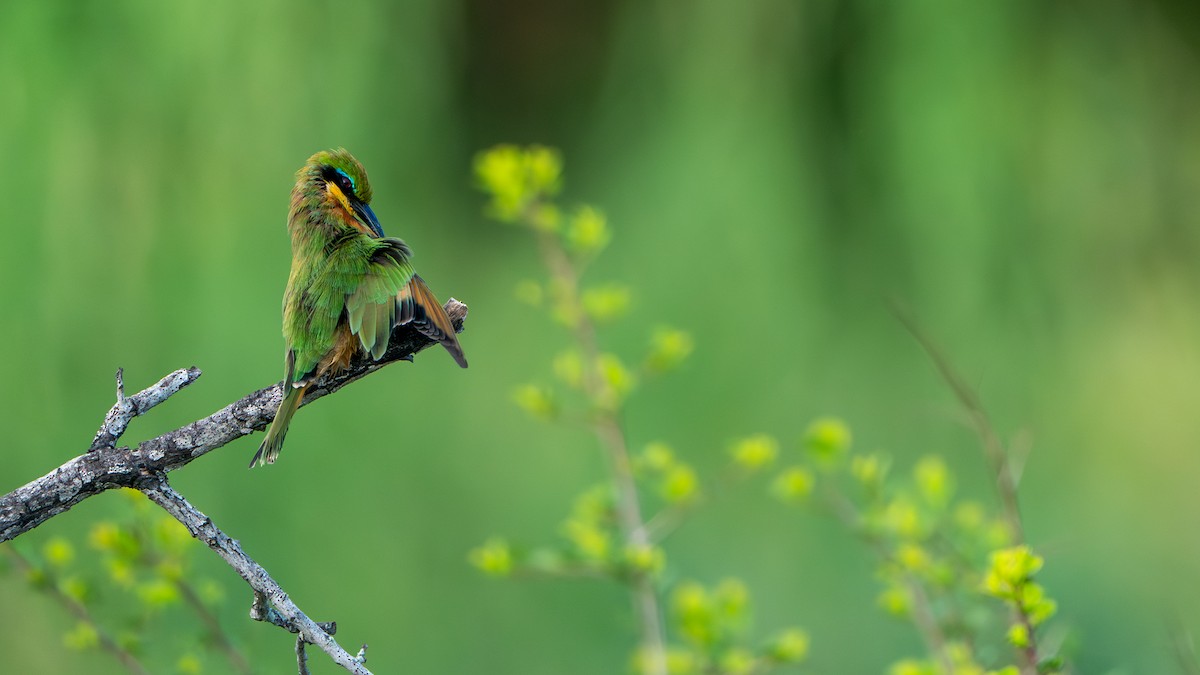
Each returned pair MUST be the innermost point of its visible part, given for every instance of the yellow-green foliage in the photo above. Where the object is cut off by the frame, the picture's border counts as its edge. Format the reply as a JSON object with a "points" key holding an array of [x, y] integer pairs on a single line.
{"points": [[132, 571], [596, 542], [937, 557]]}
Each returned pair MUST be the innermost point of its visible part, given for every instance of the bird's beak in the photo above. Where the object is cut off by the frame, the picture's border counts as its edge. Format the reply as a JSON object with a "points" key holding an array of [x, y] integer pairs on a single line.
{"points": [[367, 216]]}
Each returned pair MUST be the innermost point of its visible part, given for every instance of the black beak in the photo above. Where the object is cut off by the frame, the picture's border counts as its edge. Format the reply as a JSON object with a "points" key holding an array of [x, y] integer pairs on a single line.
{"points": [[366, 215]]}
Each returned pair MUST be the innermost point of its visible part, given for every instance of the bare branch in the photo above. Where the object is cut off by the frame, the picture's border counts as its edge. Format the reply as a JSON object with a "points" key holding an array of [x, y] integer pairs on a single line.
{"points": [[201, 526], [301, 656], [126, 409], [93, 472]]}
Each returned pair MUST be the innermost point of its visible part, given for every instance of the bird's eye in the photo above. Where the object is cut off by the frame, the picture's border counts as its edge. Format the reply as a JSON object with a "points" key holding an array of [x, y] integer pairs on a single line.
{"points": [[345, 182]]}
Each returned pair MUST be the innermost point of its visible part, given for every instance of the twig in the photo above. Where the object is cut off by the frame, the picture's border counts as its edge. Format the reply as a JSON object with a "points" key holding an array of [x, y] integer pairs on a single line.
{"points": [[993, 448], [235, 657], [612, 437], [94, 472], [923, 615], [126, 409], [81, 613], [301, 656], [997, 457], [265, 588]]}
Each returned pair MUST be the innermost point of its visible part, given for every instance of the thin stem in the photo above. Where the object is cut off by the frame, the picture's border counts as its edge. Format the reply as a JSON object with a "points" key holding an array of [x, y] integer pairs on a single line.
{"points": [[608, 430], [996, 456], [993, 447], [1029, 653], [81, 613], [922, 610], [272, 595], [301, 656], [235, 657]]}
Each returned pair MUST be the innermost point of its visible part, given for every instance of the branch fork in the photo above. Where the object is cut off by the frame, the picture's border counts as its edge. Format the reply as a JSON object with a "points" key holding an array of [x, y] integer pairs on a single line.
{"points": [[144, 468]]}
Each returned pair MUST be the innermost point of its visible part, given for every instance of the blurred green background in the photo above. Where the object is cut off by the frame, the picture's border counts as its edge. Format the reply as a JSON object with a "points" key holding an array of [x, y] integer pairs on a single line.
{"points": [[1023, 175]]}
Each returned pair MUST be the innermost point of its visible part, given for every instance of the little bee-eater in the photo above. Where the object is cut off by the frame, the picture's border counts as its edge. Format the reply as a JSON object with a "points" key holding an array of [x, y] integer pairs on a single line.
{"points": [[349, 285]]}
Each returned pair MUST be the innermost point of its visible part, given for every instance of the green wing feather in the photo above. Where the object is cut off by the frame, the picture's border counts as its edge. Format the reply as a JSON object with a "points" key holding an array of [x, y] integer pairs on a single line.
{"points": [[390, 294]]}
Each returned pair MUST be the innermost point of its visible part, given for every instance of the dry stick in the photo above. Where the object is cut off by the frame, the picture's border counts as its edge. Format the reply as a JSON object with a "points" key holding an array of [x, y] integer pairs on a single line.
{"points": [[81, 613], [201, 526], [608, 430]]}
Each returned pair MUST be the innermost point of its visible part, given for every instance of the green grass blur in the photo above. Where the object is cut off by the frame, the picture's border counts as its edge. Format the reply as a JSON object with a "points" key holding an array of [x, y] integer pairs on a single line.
{"points": [[1024, 176]]}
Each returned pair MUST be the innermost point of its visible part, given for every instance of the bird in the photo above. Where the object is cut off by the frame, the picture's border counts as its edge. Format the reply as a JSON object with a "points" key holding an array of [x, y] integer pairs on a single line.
{"points": [[349, 286]]}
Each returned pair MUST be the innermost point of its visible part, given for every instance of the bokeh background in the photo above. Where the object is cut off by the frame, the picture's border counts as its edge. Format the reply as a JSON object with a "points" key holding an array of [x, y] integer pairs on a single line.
{"points": [[1024, 176]]}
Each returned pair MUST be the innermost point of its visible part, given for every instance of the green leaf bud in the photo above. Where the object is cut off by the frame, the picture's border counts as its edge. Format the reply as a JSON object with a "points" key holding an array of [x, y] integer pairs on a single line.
{"points": [[157, 593], [587, 232], [738, 661], [656, 457], [869, 470], [1018, 635], [828, 439], [83, 636], [790, 646], [895, 600], [58, 552], [794, 484], [679, 484], [732, 600], [493, 558], [934, 481], [755, 452], [535, 400], [189, 664], [668, 348], [590, 541], [606, 303], [645, 559]]}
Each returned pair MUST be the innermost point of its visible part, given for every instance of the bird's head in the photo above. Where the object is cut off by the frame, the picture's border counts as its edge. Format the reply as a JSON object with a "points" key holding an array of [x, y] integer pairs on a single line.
{"points": [[337, 182]]}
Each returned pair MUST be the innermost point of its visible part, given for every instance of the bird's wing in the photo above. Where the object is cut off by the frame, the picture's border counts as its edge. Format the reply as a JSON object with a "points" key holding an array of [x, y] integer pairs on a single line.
{"points": [[371, 306], [417, 304], [390, 294]]}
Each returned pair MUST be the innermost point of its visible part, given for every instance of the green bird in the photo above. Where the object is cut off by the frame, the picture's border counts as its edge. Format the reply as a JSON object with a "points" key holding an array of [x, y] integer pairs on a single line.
{"points": [[348, 288]]}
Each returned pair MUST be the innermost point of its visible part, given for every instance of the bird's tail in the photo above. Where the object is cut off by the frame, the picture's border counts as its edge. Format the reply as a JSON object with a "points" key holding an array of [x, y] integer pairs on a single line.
{"points": [[268, 452]]}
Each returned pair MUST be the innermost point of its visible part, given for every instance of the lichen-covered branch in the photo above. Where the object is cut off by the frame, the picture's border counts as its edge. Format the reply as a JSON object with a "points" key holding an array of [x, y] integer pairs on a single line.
{"points": [[265, 588], [96, 471], [125, 409]]}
